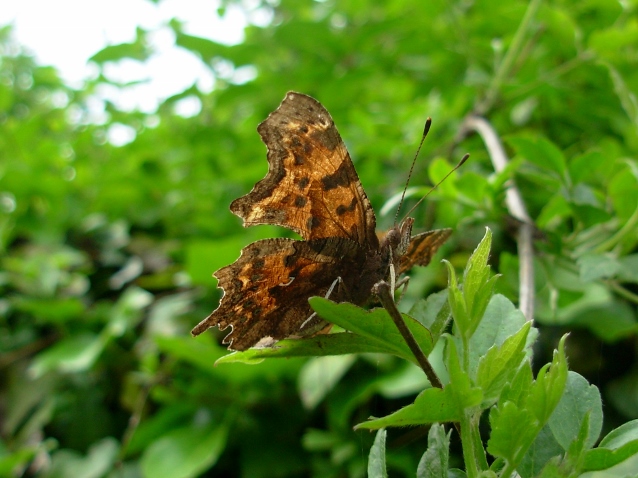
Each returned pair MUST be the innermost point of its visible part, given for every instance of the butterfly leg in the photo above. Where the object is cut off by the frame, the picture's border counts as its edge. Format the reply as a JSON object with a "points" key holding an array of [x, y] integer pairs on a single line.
{"points": [[403, 285], [337, 281]]}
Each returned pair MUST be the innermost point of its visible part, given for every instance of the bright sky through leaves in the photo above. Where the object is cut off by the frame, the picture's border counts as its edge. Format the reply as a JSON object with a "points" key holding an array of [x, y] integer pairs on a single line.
{"points": [[66, 33]]}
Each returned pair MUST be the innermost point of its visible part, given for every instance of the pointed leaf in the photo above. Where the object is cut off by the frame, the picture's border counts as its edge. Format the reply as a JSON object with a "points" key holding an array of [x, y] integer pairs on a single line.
{"points": [[500, 364], [376, 459], [434, 462]]}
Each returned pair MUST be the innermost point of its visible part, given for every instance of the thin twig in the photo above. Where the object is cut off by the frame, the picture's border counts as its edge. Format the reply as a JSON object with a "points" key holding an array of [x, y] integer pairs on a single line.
{"points": [[516, 207], [505, 67], [382, 291]]}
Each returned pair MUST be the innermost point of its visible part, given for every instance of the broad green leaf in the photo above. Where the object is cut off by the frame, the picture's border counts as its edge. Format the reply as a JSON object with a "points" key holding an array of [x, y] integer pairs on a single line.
{"points": [[625, 433], [540, 452], [500, 321], [375, 325], [319, 375], [185, 452], [376, 459], [618, 445], [98, 461], [541, 152], [603, 458], [434, 462], [320, 345], [72, 355], [598, 266], [433, 313], [579, 400]]}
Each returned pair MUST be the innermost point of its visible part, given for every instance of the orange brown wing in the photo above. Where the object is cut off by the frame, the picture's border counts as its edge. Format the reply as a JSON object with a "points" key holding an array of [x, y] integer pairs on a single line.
{"points": [[311, 186], [422, 247], [266, 290]]}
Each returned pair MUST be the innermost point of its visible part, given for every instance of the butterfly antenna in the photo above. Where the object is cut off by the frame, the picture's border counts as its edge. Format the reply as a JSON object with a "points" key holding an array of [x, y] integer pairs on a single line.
{"points": [[463, 159], [426, 130]]}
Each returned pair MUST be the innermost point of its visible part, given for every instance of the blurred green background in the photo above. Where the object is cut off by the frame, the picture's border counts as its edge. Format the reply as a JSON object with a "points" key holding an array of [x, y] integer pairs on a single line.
{"points": [[107, 251]]}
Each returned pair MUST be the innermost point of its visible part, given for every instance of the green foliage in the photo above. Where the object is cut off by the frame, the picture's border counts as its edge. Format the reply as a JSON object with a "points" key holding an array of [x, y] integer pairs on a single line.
{"points": [[107, 251]]}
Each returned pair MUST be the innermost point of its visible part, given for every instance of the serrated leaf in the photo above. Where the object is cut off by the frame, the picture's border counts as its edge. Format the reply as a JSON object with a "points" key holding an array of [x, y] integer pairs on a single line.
{"points": [[513, 431], [518, 389], [456, 300], [501, 320], [477, 271], [548, 389], [500, 364], [466, 396]]}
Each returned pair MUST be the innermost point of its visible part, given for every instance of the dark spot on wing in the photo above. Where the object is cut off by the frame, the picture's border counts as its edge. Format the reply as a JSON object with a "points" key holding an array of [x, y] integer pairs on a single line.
{"points": [[303, 129], [299, 159], [258, 264], [341, 209], [313, 222], [337, 179], [303, 182], [300, 201]]}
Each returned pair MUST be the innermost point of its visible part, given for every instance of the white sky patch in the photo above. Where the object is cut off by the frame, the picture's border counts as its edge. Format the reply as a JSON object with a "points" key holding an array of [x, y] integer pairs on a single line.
{"points": [[66, 33]]}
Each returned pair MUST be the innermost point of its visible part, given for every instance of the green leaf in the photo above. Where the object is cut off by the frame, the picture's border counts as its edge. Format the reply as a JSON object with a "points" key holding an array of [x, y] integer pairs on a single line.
{"points": [[477, 272], [500, 364], [376, 459], [578, 401], [375, 325], [433, 313], [318, 377], [72, 355], [501, 320], [433, 405], [598, 266], [548, 389], [466, 396], [457, 301], [434, 462], [138, 50], [100, 458], [185, 452], [513, 431], [619, 445], [541, 152]]}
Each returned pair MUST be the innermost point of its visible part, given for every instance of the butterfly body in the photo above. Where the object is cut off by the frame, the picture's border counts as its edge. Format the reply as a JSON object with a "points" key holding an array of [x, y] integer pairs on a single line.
{"points": [[313, 189]]}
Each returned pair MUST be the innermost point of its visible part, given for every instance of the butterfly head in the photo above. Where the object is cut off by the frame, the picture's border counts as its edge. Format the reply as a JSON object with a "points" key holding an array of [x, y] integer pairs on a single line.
{"points": [[397, 239]]}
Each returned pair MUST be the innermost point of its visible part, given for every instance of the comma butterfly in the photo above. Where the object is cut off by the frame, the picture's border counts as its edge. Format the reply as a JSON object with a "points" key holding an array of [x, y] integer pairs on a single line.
{"points": [[313, 189]]}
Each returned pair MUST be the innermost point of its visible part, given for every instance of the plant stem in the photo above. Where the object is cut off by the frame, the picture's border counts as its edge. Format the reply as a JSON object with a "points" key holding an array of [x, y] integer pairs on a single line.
{"points": [[510, 57], [382, 291]]}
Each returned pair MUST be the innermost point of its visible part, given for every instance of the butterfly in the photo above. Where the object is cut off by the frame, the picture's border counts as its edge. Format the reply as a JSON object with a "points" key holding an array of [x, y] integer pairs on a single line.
{"points": [[313, 189]]}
